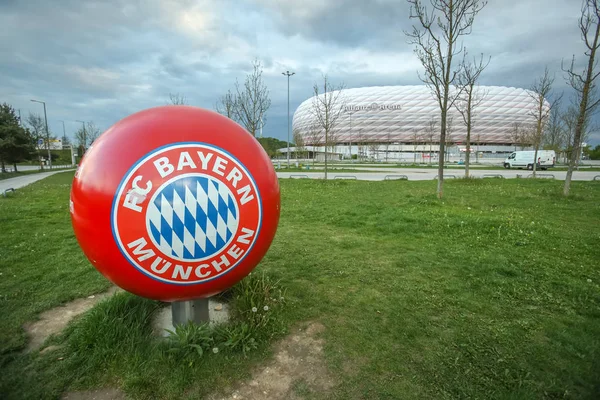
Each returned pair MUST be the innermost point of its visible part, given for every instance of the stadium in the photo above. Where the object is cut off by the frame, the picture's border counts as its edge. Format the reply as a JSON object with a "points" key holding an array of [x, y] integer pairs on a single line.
{"points": [[395, 123]]}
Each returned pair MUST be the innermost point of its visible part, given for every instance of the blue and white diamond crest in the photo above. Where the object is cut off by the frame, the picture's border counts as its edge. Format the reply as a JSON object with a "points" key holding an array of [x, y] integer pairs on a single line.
{"points": [[191, 218]]}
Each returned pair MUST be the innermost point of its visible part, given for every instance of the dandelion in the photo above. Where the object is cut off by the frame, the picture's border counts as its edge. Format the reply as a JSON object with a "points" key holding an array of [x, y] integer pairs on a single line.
{"points": [[215, 350], [266, 308], [254, 309]]}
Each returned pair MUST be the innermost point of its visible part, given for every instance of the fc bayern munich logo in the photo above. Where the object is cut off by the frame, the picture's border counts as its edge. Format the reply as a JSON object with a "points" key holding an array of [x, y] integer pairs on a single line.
{"points": [[192, 212]]}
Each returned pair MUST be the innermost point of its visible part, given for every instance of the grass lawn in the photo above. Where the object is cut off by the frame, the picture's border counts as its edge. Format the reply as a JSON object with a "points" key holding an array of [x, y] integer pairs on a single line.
{"points": [[492, 293], [8, 175]]}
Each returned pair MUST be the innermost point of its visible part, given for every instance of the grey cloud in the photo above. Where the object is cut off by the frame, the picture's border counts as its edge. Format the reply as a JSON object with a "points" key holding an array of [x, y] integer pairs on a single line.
{"points": [[344, 22], [104, 59]]}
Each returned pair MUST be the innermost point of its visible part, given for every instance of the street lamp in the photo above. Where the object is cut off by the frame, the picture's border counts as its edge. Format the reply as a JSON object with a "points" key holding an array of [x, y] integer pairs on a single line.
{"points": [[288, 74], [47, 133]]}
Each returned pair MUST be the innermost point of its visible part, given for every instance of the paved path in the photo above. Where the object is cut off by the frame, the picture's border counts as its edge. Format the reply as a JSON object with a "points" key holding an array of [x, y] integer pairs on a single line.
{"points": [[25, 180], [423, 174], [22, 168]]}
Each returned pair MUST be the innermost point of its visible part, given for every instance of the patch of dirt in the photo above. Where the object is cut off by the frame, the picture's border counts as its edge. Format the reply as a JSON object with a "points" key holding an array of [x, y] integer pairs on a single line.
{"points": [[55, 320], [99, 394], [297, 371], [49, 349]]}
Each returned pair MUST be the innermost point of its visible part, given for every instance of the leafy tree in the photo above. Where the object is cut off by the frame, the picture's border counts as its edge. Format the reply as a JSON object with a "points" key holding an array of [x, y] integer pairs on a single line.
{"points": [[594, 154], [271, 145], [16, 142]]}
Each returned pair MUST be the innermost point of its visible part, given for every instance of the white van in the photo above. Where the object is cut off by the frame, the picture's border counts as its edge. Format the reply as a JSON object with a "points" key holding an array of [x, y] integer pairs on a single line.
{"points": [[525, 159]]}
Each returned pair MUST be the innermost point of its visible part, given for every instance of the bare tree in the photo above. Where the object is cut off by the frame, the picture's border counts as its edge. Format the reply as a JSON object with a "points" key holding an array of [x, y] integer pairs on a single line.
{"points": [[470, 98], [520, 135], [86, 136], [327, 107], [553, 139], [584, 83], [226, 105], [299, 143], [252, 100], [430, 134], [388, 142], [92, 132], [436, 45], [37, 127], [539, 91], [416, 138], [177, 99], [314, 137], [332, 140], [569, 119], [361, 141], [374, 149]]}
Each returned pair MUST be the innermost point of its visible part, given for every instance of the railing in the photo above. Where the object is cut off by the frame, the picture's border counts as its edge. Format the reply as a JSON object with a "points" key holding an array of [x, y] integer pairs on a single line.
{"points": [[296, 176], [445, 177], [542, 176], [493, 176], [353, 177], [9, 190], [395, 177]]}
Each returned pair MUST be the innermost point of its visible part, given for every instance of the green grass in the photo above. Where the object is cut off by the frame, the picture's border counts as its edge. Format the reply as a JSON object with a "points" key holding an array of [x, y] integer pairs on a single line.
{"points": [[492, 293]]}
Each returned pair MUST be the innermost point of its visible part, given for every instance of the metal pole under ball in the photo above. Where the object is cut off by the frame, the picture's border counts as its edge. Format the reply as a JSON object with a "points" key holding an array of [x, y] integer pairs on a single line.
{"points": [[196, 311]]}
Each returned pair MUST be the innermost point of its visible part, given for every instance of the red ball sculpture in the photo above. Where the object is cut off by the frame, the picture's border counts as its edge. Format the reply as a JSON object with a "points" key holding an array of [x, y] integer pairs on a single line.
{"points": [[175, 203]]}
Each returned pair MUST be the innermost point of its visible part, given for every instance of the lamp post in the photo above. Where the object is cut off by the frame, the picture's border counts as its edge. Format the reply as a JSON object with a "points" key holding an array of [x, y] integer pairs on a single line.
{"points": [[47, 133], [288, 74]]}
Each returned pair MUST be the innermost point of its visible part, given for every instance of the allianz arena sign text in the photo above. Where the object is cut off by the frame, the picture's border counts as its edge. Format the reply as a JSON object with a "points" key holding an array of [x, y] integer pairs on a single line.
{"points": [[373, 107]]}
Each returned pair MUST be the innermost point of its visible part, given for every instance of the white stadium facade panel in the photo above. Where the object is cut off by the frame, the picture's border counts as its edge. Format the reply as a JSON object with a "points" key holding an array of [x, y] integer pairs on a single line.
{"points": [[402, 114]]}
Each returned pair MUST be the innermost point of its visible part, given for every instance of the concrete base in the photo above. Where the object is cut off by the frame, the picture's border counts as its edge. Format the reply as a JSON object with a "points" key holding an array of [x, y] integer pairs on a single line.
{"points": [[218, 313]]}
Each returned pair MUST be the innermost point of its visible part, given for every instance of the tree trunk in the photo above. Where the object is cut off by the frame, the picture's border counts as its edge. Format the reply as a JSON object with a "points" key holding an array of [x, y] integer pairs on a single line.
{"points": [[326, 139], [15, 165], [537, 146], [582, 113], [468, 148], [440, 185]]}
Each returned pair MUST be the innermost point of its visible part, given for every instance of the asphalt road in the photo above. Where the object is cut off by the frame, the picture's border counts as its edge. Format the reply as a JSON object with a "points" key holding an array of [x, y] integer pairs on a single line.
{"points": [[20, 181], [413, 174], [423, 174]]}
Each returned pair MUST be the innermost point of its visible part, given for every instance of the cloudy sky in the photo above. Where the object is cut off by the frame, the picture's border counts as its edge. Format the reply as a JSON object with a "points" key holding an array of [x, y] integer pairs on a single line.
{"points": [[101, 60]]}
